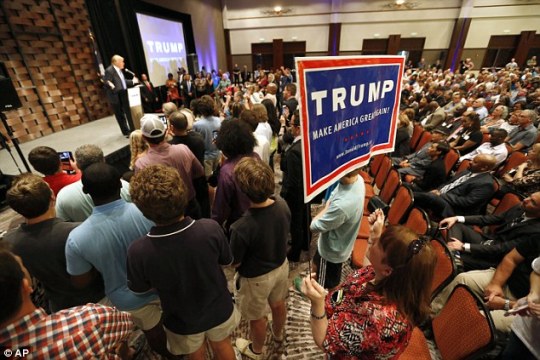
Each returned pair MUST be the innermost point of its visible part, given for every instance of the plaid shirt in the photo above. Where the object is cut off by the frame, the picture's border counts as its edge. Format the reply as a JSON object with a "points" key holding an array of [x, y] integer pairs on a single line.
{"points": [[84, 332]]}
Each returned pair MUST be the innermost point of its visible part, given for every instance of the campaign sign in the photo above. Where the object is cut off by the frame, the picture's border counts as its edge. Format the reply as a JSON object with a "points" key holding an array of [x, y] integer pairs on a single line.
{"points": [[348, 112]]}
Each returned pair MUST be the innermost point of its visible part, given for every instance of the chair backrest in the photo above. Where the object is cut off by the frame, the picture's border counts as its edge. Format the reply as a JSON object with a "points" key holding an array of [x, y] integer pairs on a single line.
{"points": [[514, 159], [460, 330], [445, 270], [418, 220], [508, 201], [375, 164], [425, 137], [417, 131], [401, 205], [464, 165], [384, 168], [450, 160], [417, 349], [390, 186]]}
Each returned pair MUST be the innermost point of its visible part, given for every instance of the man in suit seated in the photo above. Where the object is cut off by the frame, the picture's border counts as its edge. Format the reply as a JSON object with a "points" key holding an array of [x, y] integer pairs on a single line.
{"points": [[482, 251], [466, 193], [435, 118]]}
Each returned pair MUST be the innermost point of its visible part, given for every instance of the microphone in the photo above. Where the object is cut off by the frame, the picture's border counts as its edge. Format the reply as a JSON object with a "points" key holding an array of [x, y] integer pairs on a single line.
{"points": [[129, 71]]}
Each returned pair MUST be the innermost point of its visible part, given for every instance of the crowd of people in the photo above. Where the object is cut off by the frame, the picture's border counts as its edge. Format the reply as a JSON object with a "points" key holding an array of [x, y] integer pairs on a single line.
{"points": [[147, 248]]}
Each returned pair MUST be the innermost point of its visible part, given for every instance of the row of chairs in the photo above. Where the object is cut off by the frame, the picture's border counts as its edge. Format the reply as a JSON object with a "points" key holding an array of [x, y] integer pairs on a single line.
{"points": [[461, 321]]}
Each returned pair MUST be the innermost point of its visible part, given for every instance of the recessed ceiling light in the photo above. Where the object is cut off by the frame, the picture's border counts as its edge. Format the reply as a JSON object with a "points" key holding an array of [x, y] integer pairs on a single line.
{"points": [[506, 31], [376, 34], [414, 33], [400, 2], [277, 8]]}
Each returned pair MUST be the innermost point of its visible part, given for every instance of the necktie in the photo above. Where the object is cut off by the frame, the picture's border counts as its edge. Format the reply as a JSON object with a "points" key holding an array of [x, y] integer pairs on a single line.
{"points": [[124, 86], [517, 220], [446, 188]]}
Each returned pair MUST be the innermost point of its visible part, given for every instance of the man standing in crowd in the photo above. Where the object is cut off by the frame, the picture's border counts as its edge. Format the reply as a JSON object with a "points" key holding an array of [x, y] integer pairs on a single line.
{"points": [[116, 86], [259, 246], [41, 241], [178, 125], [91, 331], [181, 258], [338, 224], [177, 156], [47, 161], [72, 203], [292, 191], [99, 245]]}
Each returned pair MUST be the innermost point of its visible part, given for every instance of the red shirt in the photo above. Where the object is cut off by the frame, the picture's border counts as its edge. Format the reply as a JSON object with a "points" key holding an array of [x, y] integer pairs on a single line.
{"points": [[363, 325], [61, 179]]}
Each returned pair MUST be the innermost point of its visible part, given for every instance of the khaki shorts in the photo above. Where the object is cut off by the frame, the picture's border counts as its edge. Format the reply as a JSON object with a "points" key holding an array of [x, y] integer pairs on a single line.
{"points": [[256, 293], [210, 165], [188, 344], [146, 317]]}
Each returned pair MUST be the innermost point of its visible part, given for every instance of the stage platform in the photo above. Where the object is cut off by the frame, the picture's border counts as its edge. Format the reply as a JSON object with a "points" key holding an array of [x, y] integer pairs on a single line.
{"points": [[104, 133]]}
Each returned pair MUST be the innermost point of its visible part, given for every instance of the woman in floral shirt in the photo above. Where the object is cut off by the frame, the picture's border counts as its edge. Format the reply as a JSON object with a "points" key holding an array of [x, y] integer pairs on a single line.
{"points": [[372, 314]]}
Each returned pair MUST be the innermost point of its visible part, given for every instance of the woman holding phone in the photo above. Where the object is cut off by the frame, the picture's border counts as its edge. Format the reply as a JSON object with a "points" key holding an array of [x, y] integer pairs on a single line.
{"points": [[372, 314]]}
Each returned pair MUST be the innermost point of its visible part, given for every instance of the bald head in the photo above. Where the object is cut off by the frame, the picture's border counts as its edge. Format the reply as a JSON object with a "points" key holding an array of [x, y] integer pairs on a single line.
{"points": [[483, 163]]}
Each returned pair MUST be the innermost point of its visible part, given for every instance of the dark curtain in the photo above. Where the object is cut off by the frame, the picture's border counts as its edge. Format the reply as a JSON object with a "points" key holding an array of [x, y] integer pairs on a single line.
{"points": [[112, 24]]}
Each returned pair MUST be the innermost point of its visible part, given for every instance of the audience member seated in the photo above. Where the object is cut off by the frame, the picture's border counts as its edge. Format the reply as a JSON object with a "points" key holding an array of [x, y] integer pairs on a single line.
{"points": [[47, 161], [99, 246], [523, 342], [375, 310], [235, 140], [91, 331], [512, 122], [495, 146], [525, 178], [72, 203], [403, 138], [177, 156], [41, 241], [435, 172], [500, 287], [522, 137], [456, 102], [482, 251], [495, 120], [416, 163], [259, 247], [466, 193], [435, 118], [478, 106], [181, 259], [470, 137]]}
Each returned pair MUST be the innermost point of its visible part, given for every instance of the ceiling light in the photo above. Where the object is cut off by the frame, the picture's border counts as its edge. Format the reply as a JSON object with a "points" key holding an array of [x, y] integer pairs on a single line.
{"points": [[276, 11], [400, 5]]}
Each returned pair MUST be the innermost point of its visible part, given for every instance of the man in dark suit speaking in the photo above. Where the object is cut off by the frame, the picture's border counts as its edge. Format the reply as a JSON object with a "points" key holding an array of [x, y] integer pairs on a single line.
{"points": [[116, 88]]}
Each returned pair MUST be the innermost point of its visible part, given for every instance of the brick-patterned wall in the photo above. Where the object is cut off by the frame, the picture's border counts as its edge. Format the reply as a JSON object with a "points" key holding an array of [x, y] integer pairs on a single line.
{"points": [[50, 61]]}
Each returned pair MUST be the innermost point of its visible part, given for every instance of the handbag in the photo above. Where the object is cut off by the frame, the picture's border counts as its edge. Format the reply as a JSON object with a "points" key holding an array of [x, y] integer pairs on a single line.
{"points": [[375, 202]]}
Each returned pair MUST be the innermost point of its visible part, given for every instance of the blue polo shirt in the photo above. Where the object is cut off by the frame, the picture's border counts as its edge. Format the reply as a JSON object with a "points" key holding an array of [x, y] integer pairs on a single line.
{"points": [[102, 242]]}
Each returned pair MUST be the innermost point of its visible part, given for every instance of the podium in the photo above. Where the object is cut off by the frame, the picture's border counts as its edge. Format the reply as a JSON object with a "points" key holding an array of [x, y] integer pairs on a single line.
{"points": [[135, 105]]}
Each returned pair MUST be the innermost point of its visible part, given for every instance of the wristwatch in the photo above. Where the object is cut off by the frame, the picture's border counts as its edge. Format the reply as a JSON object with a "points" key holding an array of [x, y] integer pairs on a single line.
{"points": [[506, 304]]}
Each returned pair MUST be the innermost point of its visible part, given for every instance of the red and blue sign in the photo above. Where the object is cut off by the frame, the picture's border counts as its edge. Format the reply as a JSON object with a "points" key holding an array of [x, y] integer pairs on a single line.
{"points": [[348, 112]]}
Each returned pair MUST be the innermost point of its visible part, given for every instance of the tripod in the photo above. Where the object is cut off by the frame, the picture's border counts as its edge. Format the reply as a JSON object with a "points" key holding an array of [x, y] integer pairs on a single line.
{"points": [[15, 142]]}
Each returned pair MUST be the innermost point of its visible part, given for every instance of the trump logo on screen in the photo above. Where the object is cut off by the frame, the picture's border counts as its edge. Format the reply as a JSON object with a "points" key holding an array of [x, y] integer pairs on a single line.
{"points": [[349, 108]]}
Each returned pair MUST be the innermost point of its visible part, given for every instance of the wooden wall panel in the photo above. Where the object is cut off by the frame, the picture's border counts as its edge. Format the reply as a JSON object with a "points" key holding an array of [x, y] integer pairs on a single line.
{"points": [[48, 54]]}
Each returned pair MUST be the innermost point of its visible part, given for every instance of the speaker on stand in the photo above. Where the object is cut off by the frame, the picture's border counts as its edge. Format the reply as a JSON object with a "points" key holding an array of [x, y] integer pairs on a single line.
{"points": [[9, 101], [193, 64]]}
